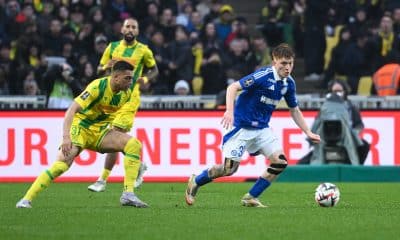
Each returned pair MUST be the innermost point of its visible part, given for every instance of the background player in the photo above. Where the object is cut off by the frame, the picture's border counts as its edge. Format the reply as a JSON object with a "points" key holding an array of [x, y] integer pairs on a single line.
{"points": [[262, 91], [141, 57]]}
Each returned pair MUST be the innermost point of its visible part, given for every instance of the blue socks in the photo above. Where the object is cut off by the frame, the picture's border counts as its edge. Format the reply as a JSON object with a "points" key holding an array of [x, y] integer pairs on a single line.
{"points": [[259, 187], [203, 178]]}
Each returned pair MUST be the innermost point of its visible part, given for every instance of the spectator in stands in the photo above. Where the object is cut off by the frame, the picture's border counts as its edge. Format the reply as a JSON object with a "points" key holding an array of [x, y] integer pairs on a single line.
{"points": [[297, 22], [167, 24], [359, 60], [213, 14], [337, 94], [315, 17], [5, 57], [271, 20], [261, 50], [11, 25], [396, 20], [240, 29], [184, 14], [337, 66], [235, 59], [359, 23], [182, 88], [53, 41], [387, 78], [152, 15], [213, 72], [44, 17], [180, 57], [209, 39], [100, 44], [31, 86], [157, 46], [196, 23], [4, 89], [60, 86], [386, 41], [223, 23]]}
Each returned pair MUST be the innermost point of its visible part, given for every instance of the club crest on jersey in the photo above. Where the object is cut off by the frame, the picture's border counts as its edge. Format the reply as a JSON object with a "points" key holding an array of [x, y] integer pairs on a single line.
{"points": [[248, 82], [85, 95]]}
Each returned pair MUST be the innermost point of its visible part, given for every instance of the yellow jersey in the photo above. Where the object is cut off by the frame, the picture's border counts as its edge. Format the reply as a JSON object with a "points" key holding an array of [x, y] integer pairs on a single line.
{"points": [[140, 56], [99, 104], [137, 54]]}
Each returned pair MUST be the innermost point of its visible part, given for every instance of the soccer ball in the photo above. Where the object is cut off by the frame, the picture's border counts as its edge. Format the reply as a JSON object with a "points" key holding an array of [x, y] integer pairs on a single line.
{"points": [[327, 195]]}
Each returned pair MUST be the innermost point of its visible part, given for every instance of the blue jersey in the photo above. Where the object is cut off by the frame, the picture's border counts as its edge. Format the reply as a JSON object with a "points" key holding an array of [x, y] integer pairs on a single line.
{"points": [[262, 91]]}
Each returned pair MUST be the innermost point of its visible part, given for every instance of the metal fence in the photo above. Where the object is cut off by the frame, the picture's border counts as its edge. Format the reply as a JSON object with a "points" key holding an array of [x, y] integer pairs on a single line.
{"points": [[171, 102]]}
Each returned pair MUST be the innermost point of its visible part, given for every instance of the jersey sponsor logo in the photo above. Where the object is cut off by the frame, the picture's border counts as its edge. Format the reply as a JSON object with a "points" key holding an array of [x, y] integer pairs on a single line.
{"points": [[85, 95], [248, 82], [272, 88], [268, 100]]}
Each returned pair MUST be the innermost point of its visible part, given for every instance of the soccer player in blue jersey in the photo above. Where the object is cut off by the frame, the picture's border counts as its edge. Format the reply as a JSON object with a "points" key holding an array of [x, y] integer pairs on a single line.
{"points": [[247, 125]]}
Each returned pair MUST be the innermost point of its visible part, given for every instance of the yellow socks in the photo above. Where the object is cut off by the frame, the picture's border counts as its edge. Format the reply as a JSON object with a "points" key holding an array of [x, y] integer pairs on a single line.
{"points": [[44, 179], [105, 174], [131, 163]]}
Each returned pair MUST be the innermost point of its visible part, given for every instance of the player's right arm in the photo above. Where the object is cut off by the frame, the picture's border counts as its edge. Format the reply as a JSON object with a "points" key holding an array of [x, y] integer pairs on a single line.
{"points": [[231, 93], [69, 116], [81, 102]]}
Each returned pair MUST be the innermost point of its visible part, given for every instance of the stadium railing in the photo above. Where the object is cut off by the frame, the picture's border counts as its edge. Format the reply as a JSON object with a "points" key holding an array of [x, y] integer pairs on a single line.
{"points": [[173, 102], [22, 102]]}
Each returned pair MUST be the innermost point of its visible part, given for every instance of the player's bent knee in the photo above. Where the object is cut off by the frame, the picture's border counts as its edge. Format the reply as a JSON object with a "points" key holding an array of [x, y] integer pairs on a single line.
{"points": [[278, 168], [133, 146], [230, 167]]}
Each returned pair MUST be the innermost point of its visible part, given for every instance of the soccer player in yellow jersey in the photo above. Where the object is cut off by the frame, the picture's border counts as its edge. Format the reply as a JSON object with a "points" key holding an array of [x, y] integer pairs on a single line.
{"points": [[141, 57], [87, 126]]}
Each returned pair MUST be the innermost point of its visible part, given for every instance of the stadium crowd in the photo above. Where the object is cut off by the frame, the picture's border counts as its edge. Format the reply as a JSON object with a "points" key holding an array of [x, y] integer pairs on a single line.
{"points": [[53, 47]]}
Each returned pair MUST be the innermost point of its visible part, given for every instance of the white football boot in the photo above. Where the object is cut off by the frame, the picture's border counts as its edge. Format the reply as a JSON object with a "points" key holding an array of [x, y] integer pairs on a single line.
{"points": [[98, 186]]}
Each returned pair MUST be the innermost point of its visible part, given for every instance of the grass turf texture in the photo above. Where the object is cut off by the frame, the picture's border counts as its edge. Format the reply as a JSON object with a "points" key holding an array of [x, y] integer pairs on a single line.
{"points": [[70, 211]]}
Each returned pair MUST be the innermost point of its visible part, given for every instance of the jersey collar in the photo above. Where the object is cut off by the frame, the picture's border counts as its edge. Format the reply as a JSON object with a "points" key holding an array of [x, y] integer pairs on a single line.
{"points": [[276, 76]]}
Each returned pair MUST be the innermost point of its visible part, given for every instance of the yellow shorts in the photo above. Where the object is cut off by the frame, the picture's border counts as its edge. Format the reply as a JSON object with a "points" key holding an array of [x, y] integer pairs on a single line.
{"points": [[87, 138]]}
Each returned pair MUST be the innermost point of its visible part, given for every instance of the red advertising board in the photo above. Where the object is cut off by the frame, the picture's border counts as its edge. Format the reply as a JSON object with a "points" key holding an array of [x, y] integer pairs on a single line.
{"points": [[175, 144]]}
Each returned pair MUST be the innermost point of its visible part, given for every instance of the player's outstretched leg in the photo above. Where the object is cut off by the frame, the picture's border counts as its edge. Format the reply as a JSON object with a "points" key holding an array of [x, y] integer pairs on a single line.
{"points": [[131, 166], [194, 183], [191, 190], [42, 182]]}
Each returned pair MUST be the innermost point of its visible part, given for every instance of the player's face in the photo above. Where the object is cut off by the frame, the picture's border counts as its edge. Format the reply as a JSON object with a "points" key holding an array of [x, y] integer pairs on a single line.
{"points": [[124, 79], [130, 30], [283, 66]]}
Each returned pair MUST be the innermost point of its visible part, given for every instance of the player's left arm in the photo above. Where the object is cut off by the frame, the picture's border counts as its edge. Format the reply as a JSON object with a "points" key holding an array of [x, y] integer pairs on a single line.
{"points": [[298, 118], [151, 72]]}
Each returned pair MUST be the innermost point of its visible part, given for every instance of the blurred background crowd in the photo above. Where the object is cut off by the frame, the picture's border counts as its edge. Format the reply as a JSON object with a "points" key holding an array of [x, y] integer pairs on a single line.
{"points": [[200, 45]]}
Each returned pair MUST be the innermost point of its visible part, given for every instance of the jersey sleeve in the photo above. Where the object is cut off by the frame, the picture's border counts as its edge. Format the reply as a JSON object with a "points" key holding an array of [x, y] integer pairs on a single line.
{"points": [[106, 56], [88, 95], [249, 82], [290, 96], [149, 60]]}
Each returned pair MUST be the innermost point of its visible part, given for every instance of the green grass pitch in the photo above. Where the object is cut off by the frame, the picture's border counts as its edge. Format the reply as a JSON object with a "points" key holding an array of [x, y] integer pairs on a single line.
{"points": [[70, 211]]}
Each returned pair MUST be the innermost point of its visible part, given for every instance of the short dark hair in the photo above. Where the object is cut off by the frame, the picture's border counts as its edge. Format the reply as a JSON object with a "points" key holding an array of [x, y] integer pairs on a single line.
{"points": [[122, 66], [346, 87], [283, 50]]}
